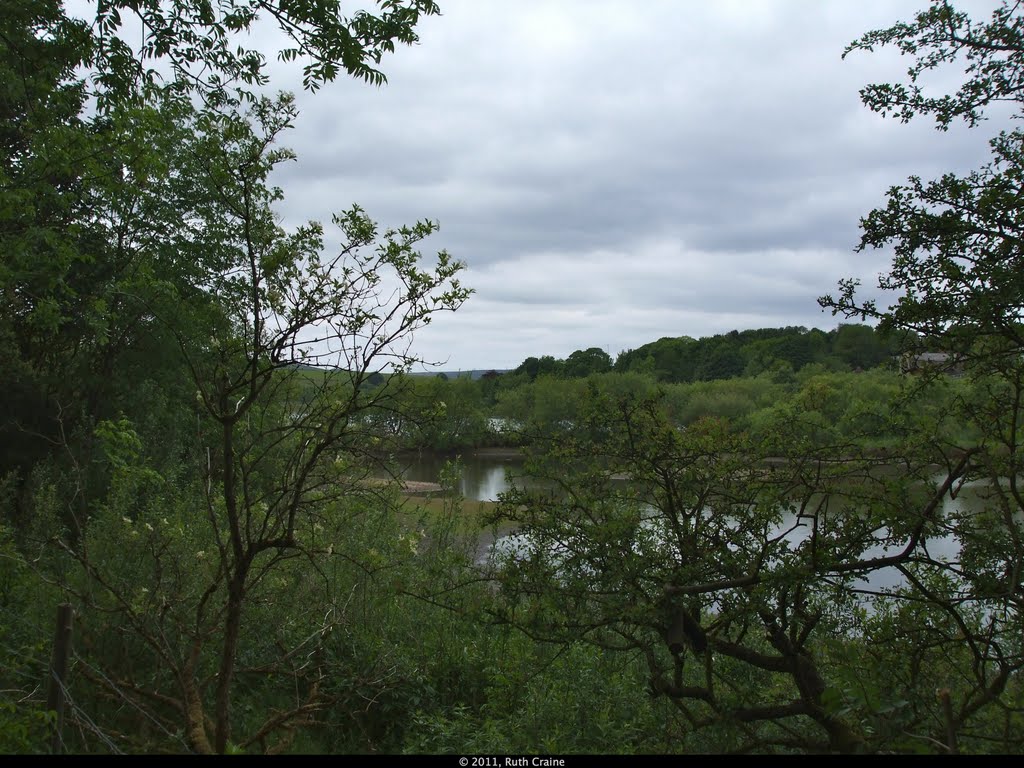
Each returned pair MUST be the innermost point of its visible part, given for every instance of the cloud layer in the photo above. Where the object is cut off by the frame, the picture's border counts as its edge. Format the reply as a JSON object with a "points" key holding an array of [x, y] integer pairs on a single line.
{"points": [[616, 172]]}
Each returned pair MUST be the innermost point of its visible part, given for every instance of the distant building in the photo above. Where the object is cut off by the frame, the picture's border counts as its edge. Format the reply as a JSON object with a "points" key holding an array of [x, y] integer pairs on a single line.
{"points": [[931, 361], [480, 373]]}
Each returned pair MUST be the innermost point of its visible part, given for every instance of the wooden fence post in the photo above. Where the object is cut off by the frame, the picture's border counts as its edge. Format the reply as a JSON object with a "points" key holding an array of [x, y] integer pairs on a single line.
{"points": [[58, 674]]}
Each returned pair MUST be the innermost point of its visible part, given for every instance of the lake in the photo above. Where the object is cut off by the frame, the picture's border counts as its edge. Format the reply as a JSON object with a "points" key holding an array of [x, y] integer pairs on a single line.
{"points": [[487, 473], [482, 475]]}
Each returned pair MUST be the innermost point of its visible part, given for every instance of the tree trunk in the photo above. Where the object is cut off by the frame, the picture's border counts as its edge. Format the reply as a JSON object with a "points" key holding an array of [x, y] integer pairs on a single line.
{"points": [[232, 627], [238, 567]]}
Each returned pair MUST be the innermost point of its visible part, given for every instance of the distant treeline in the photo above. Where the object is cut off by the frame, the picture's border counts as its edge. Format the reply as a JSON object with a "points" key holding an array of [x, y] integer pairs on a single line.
{"points": [[684, 359], [849, 377]]}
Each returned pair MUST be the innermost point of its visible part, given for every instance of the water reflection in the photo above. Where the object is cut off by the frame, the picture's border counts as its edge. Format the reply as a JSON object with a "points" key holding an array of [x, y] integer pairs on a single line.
{"points": [[889, 579], [483, 476]]}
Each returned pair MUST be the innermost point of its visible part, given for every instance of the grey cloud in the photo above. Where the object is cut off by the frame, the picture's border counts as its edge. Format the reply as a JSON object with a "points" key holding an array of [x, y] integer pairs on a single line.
{"points": [[615, 172]]}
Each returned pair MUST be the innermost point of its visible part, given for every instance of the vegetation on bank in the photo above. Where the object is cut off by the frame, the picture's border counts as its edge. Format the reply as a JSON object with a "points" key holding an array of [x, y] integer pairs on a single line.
{"points": [[866, 406], [194, 476]]}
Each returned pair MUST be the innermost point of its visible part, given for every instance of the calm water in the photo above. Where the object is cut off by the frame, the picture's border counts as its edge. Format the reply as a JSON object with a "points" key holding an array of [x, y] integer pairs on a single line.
{"points": [[483, 476]]}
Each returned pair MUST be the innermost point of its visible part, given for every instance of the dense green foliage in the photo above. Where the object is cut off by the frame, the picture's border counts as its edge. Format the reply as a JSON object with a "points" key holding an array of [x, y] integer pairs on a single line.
{"points": [[724, 356], [751, 352], [772, 540]]}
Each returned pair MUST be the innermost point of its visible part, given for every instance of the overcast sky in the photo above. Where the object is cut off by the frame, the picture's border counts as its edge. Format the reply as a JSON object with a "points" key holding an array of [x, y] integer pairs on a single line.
{"points": [[613, 172]]}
